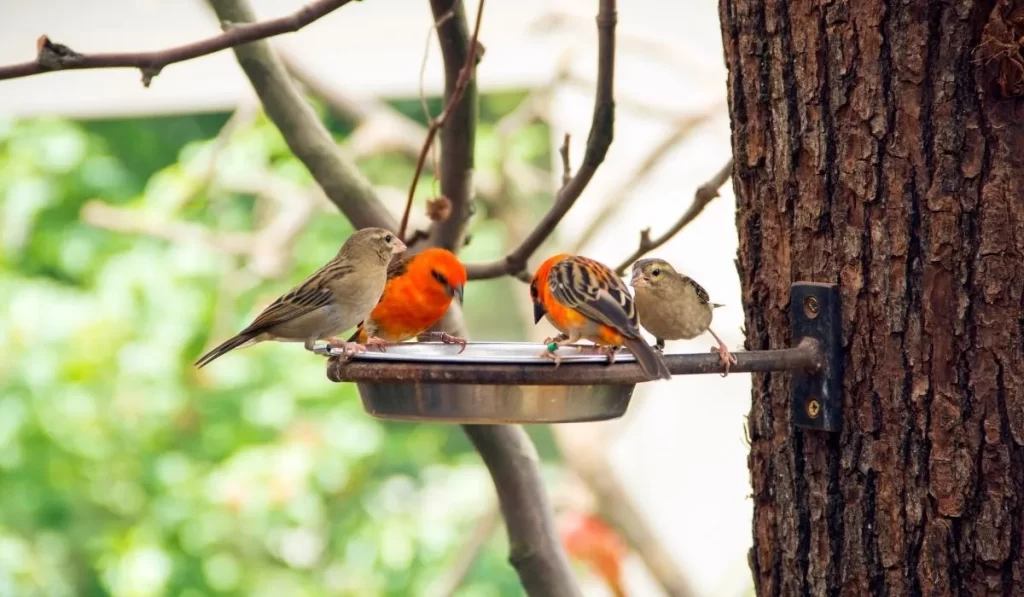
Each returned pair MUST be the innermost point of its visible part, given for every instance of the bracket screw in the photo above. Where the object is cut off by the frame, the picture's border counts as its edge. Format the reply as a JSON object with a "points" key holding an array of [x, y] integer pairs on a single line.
{"points": [[813, 408], [811, 307]]}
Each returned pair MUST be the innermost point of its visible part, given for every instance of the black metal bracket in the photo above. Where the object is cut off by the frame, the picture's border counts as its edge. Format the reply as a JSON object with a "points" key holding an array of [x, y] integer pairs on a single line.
{"points": [[814, 313]]}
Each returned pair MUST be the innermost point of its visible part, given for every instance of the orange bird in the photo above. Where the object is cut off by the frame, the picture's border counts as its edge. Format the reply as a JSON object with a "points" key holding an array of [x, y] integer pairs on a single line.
{"points": [[584, 299], [588, 539], [418, 292]]}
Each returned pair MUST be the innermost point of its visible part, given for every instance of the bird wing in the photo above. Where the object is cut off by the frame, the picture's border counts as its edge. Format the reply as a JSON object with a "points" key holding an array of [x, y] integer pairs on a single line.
{"points": [[702, 294], [596, 292], [312, 294]]}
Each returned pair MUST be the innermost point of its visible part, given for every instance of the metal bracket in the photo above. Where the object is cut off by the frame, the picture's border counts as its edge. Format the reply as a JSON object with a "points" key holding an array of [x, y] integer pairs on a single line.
{"points": [[814, 312]]}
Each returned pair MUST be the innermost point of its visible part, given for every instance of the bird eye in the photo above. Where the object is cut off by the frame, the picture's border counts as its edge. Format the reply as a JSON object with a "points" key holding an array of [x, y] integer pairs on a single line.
{"points": [[439, 277], [387, 238], [656, 272]]}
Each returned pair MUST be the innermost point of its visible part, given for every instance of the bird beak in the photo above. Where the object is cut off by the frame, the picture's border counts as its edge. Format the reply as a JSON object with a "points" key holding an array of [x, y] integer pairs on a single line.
{"points": [[399, 247], [639, 282], [538, 312], [457, 292]]}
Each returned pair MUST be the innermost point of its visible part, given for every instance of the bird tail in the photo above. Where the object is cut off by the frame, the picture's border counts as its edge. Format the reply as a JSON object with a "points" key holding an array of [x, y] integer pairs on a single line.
{"points": [[650, 362], [226, 347]]}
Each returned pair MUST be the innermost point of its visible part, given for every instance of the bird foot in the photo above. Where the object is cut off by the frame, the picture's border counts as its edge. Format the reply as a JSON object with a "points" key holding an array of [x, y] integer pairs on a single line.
{"points": [[443, 337], [377, 343], [348, 349], [609, 351], [551, 354], [552, 345], [726, 357]]}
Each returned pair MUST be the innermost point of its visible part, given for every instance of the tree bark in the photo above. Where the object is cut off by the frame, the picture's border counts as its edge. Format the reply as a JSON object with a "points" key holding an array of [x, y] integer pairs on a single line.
{"points": [[877, 147]]}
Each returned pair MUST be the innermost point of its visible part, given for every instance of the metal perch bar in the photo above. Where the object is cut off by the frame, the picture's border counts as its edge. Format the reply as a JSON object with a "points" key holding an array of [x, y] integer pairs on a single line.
{"points": [[502, 382], [805, 357]]}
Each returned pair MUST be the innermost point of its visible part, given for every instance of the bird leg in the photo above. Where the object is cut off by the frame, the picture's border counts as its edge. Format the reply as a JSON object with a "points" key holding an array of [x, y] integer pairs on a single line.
{"points": [[579, 347], [348, 349], [660, 345], [553, 345], [609, 351], [444, 337], [723, 353]]}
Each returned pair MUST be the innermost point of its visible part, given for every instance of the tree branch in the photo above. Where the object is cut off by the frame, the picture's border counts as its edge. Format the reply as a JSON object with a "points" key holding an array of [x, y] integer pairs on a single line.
{"points": [[601, 134], [701, 198], [457, 140], [617, 198], [343, 184], [52, 56], [536, 553]]}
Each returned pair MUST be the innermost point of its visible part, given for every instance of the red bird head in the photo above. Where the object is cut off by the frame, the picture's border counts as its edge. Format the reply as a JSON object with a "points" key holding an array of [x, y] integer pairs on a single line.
{"points": [[441, 270], [539, 285]]}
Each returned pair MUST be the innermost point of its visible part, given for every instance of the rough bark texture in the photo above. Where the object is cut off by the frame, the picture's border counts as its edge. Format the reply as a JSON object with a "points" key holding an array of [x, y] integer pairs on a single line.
{"points": [[877, 147]]}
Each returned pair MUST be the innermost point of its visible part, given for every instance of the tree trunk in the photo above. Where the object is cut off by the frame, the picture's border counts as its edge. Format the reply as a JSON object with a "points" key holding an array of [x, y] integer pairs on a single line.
{"points": [[880, 145]]}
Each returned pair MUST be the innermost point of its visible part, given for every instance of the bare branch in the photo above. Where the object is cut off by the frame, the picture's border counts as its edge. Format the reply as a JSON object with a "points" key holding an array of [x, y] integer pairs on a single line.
{"points": [[343, 184], [701, 198], [617, 197], [566, 167], [584, 453], [450, 578], [536, 554], [52, 56], [601, 134], [460, 60]]}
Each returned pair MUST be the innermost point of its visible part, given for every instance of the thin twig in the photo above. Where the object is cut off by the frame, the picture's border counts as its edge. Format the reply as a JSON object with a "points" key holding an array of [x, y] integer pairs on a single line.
{"points": [[52, 56], [617, 198], [468, 70], [601, 134], [302, 129], [450, 578], [701, 198], [566, 168], [583, 450]]}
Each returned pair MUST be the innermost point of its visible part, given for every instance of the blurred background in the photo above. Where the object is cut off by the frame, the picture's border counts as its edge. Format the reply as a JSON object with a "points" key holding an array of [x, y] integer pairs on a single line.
{"points": [[139, 226]]}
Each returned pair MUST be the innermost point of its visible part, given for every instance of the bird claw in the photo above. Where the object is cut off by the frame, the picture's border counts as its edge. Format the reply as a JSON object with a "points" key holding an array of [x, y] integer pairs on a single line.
{"points": [[443, 337], [377, 343], [549, 354], [726, 357], [348, 349], [609, 351]]}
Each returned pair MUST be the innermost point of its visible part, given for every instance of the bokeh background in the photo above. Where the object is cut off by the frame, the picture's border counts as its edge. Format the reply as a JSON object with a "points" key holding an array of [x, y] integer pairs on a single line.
{"points": [[139, 226]]}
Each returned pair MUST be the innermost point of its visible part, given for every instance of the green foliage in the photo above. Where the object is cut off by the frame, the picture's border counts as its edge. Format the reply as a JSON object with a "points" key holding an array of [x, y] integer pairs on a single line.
{"points": [[124, 470]]}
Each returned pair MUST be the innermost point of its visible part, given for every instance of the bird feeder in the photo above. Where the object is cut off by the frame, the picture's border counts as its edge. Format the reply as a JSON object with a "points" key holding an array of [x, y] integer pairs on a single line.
{"points": [[509, 382]]}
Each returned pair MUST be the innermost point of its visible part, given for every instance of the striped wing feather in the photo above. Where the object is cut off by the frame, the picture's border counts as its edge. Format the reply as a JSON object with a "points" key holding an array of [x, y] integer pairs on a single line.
{"points": [[594, 290], [701, 293], [312, 294]]}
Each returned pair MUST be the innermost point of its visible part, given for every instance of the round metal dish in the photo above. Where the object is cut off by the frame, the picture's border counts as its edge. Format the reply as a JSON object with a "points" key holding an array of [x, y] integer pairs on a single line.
{"points": [[489, 383]]}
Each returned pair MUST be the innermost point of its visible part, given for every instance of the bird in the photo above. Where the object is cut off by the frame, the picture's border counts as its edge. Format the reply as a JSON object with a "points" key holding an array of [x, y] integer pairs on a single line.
{"points": [[673, 306], [584, 299], [419, 290], [333, 299]]}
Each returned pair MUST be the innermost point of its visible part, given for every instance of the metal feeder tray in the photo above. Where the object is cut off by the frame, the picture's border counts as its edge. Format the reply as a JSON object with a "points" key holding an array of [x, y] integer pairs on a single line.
{"points": [[509, 382]]}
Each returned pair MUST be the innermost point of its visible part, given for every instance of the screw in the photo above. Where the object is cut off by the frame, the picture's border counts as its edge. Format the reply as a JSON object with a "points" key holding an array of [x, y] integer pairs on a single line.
{"points": [[813, 408], [811, 307]]}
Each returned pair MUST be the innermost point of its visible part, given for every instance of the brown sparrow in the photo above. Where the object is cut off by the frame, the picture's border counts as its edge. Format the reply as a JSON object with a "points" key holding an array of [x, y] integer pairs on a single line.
{"points": [[335, 298], [673, 306]]}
